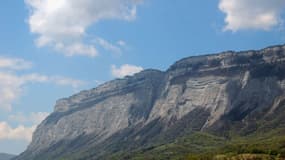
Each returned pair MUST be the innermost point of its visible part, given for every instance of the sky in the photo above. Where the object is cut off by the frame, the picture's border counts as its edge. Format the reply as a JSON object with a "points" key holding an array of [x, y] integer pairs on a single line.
{"points": [[51, 49]]}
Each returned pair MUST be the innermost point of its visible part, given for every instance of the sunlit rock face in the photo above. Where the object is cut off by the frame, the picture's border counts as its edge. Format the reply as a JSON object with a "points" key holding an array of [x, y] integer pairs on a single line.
{"points": [[210, 93]]}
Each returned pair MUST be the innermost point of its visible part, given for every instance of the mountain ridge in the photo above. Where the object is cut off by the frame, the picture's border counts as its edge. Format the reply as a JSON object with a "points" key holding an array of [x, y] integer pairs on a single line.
{"points": [[216, 94]]}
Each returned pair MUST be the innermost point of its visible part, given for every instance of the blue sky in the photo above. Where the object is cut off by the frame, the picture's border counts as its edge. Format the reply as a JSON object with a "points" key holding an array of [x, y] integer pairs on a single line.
{"points": [[51, 49]]}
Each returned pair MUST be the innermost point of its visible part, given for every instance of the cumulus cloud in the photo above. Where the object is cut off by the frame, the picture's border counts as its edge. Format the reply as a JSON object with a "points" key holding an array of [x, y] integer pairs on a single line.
{"points": [[125, 70], [19, 133], [14, 63], [252, 14], [63, 24]]}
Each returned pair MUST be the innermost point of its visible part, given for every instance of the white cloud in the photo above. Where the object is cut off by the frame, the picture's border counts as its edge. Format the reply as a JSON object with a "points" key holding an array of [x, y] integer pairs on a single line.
{"points": [[14, 63], [19, 133], [11, 85], [65, 81], [62, 24], [109, 46], [251, 14], [10, 88], [33, 118], [125, 70], [121, 43], [76, 48]]}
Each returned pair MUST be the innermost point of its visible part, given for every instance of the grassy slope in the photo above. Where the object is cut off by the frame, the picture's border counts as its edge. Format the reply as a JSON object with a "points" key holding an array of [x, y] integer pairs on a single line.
{"points": [[261, 144], [204, 146]]}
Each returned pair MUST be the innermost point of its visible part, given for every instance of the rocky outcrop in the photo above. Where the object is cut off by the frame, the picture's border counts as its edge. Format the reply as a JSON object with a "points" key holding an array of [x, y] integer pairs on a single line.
{"points": [[212, 93]]}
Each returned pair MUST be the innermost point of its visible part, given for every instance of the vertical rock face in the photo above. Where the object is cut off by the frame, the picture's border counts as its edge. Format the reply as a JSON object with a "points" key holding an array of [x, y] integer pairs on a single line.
{"points": [[101, 112], [205, 93]]}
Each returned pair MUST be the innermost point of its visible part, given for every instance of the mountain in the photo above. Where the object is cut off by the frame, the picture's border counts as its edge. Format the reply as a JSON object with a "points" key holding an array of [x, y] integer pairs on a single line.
{"points": [[4, 156], [231, 102]]}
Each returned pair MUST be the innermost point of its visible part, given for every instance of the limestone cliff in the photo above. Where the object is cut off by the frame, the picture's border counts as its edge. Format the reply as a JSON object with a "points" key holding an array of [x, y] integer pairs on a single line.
{"points": [[212, 93]]}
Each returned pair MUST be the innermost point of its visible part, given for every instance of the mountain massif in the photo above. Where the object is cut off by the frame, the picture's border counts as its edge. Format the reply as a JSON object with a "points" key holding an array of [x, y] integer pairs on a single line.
{"points": [[231, 102]]}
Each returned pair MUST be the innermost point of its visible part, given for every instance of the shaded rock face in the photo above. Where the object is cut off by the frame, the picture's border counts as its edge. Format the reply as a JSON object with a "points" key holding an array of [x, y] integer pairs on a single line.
{"points": [[212, 93]]}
